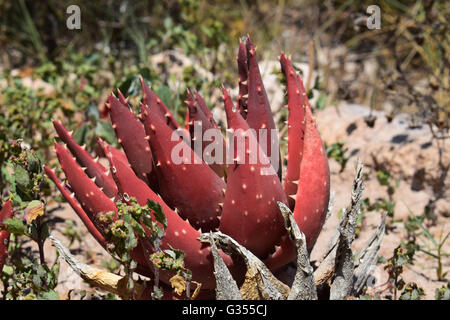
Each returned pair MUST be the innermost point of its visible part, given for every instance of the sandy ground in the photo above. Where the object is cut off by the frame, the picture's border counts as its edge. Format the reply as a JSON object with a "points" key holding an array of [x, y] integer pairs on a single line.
{"points": [[403, 160]]}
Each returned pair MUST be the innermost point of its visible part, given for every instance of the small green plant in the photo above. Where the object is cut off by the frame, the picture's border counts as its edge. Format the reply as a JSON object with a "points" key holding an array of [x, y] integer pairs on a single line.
{"points": [[71, 232], [337, 152], [122, 234], [135, 222], [111, 264], [384, 178], [442, 293], [428, 243], [412, 292], [28, 188], [403, 255], [26, 276], [92, 295], [173, 260]]}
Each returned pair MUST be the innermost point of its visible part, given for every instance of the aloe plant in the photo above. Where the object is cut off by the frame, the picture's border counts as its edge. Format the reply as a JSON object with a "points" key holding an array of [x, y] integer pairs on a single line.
{"points": [[237, 197]]}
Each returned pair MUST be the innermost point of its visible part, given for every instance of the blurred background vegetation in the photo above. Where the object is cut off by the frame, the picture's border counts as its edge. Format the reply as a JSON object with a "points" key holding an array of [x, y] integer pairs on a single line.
{"points": [[402, 67]]}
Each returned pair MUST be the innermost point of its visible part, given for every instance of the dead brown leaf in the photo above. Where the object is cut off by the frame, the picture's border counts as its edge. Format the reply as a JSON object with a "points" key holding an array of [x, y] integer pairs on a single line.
{"points": [[178, 284]]}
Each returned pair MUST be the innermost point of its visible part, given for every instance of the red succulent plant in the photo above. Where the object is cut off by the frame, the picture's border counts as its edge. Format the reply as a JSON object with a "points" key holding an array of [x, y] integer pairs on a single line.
{"points": [[238, 198]]}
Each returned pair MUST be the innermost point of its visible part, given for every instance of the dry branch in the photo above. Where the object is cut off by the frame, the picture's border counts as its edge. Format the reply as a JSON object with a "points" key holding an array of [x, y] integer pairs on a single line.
{"points": [[336, 267], [343, 281], [259, 282], [226, 287], [98, 278], [304, 287], [367, 258]]}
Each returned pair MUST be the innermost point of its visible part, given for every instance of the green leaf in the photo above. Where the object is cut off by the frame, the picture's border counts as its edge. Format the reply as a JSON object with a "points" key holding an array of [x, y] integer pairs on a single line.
{"points": [[158, 212], [125, 85], [127, 218], [383, 177], [21, 176], [147, 220], [165, 94], [80, 135], [37, 281], [159, 232], [105, 130], [171, 253], [8, 270], [401, 261], [406, 296], [320, 103], [15, 226], [55, 274], [110, 296], [50, 295], [138, 229], [41, 272], [34, 163], [131, 86], [131, 240], [45, 232], [92, 111], [146, 73], [8, 177], [33, 231], [112, 264]]}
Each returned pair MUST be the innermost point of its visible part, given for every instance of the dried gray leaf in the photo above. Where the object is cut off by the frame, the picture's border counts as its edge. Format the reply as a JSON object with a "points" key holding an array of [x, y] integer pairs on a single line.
{"points": [[303, 287], [269, 281], [367, 258], [226, 287], [341, 285]]}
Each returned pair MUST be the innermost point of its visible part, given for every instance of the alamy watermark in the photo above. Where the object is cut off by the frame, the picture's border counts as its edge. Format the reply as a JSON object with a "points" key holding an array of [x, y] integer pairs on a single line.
{"points": [[374, 20], [73, 22]]}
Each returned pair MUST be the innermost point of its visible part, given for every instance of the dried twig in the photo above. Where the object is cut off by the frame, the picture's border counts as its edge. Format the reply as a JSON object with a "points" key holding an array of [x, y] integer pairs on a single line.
{"points": [[336, 266], [330, 204], [343, 281], [367, 258], [303, 287], [259, 282], [311, 64], [226, 287], [98, 278]]}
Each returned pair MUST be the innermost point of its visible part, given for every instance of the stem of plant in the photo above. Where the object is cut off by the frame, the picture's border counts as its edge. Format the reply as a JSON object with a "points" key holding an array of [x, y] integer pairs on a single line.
{"points": [[5, 291], [156, 270], [439, 268], [130, 281], [39, 240], [188, 287], [40, 244], [146, 246]]}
